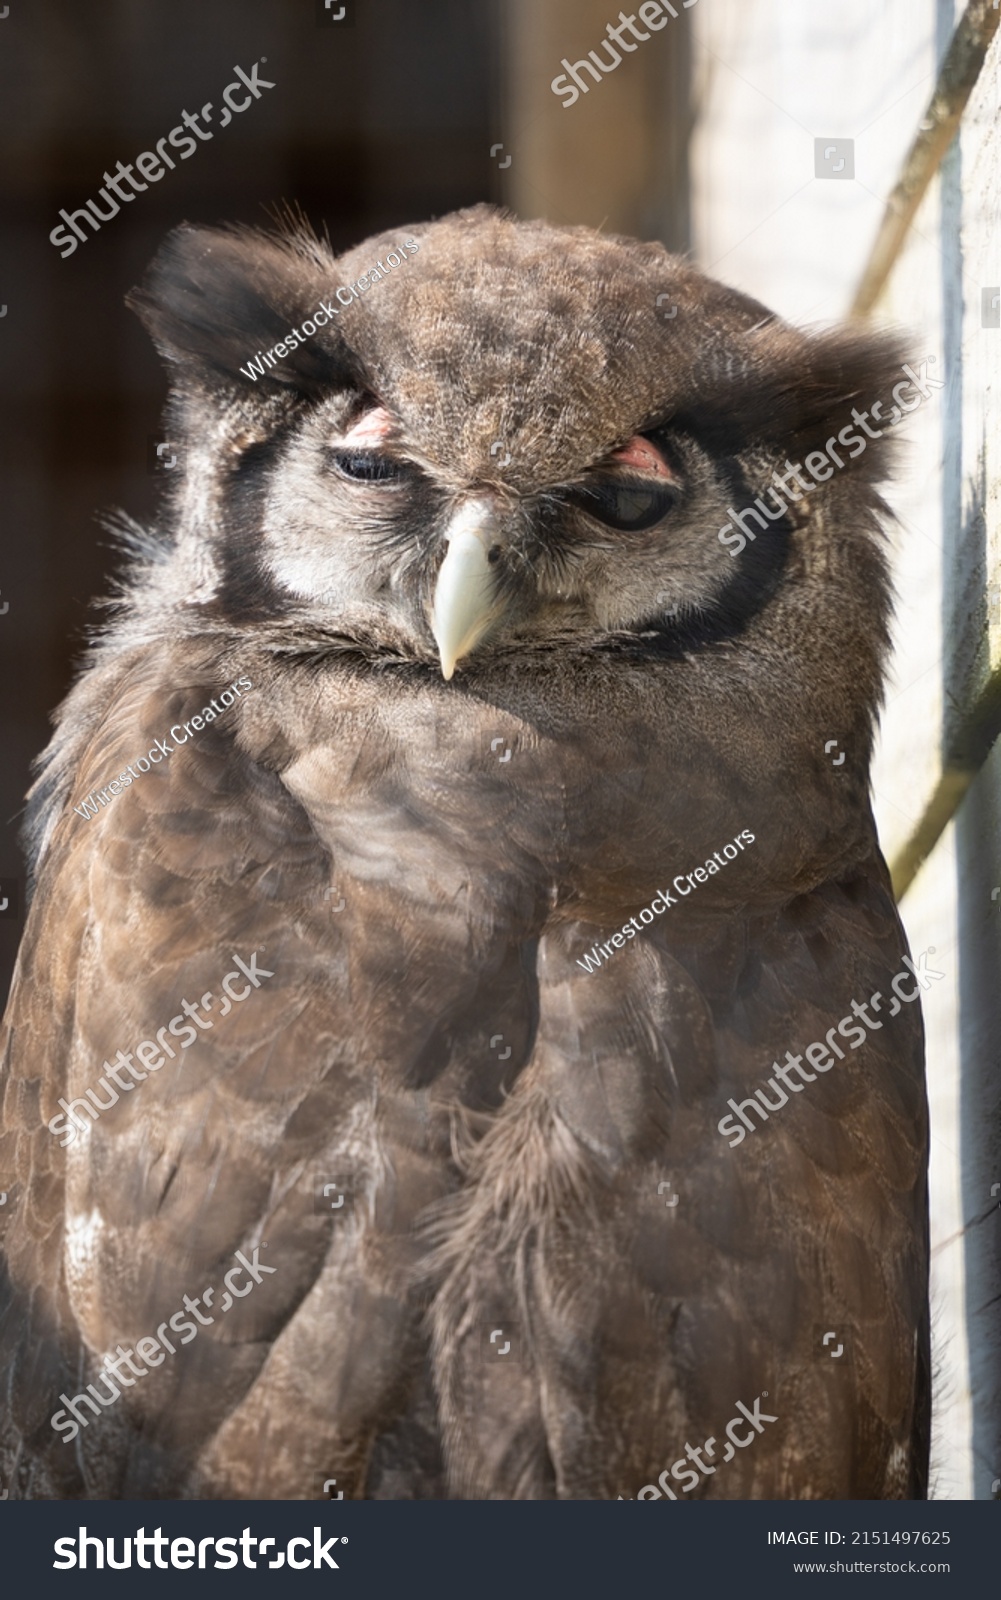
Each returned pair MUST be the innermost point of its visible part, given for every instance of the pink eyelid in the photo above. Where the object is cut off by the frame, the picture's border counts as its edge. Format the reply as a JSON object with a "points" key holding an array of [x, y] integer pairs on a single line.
{"points": [[644, 457], [372, 428]]}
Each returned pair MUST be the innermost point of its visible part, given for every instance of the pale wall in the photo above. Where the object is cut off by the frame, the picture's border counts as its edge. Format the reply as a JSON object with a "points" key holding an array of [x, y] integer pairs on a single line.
{"points": [[770, 76]]}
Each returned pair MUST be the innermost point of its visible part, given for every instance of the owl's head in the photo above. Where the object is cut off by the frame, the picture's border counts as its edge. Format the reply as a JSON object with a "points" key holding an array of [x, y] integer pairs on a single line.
{"points": [[476, 436]]}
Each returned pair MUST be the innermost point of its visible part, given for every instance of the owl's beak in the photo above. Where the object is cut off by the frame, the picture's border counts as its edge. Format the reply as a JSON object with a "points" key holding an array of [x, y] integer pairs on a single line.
{"points": [[466, 602]]}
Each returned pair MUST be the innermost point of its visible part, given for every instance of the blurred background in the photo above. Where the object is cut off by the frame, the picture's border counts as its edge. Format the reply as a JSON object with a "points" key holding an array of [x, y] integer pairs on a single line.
{"points": [[831, 161]]}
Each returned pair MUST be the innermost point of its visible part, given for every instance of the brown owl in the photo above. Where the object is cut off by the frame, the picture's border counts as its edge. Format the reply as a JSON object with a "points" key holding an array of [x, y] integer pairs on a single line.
{"points": [[479, 753]]}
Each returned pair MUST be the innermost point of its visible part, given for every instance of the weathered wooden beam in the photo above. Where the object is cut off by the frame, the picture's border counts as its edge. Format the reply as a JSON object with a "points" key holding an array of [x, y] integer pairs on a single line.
{"points": [[959, 72]]}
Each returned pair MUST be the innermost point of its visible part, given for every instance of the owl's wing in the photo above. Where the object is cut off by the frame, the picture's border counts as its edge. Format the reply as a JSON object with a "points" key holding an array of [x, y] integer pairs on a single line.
{"points": [[206, 1199], [654, 1274]]}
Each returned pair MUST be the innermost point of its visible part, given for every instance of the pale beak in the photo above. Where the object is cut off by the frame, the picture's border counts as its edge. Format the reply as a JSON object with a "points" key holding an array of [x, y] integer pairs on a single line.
{"points": [[466, 602]]}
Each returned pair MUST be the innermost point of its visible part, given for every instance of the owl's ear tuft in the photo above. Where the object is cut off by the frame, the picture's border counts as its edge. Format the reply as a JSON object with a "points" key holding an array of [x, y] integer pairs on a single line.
{"points": [[843, 375], [796, 390], [215, 299]]}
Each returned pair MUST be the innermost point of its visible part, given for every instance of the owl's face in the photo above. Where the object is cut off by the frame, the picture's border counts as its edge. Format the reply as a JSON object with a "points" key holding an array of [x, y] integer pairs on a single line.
{"points": [[503, 446], [358, 524]]}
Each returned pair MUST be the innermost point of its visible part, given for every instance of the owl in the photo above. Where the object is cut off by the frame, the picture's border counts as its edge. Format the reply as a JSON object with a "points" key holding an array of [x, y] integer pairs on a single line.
{"points": [[478, 751]]}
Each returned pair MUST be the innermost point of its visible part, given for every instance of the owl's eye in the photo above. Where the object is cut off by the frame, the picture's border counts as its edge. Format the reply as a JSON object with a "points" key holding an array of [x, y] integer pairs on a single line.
{"points": [[368, 466], [625, 504]]}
